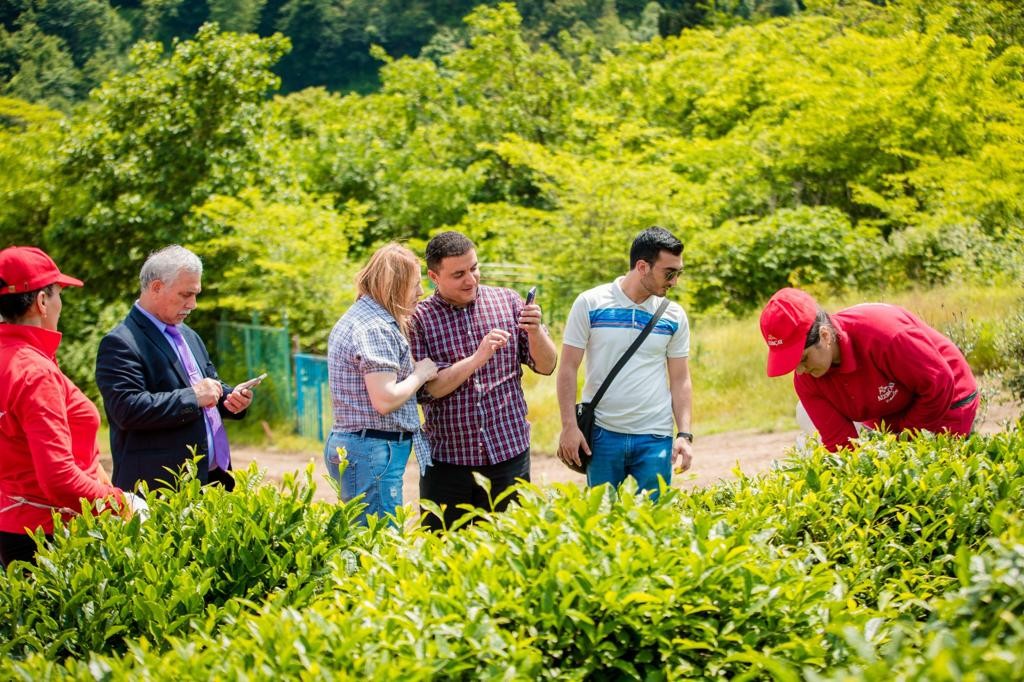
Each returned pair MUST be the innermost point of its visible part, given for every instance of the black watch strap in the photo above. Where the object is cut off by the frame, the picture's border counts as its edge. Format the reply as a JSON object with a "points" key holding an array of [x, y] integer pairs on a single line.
{"points": [[686, 435]]}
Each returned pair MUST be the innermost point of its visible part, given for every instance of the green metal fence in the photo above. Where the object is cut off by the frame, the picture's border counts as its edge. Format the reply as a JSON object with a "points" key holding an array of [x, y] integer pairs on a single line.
{"points": [[313, 396], [246, 350]]}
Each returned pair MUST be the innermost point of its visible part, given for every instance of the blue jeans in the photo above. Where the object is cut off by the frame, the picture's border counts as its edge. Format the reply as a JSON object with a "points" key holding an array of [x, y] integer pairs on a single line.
{"points": [[618, 455], [375, 469]]}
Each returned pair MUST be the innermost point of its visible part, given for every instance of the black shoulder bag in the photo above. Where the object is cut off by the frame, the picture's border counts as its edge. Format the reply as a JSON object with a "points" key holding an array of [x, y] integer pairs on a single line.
{"points": [[585, 411]]}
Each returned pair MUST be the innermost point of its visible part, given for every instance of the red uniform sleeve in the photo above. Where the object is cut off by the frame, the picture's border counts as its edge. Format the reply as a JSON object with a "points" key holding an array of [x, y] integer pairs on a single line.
{"points": [[835, 429], [41, 409], [912, 360]]}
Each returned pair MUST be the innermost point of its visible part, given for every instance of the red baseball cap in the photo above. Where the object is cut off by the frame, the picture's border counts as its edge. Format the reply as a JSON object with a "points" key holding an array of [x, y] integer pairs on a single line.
{"points": [[26, 268], [785, 321]]}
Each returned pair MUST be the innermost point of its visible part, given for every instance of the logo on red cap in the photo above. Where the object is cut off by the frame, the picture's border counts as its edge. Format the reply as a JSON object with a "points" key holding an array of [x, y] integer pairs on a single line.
{"points": [[785, 321]]}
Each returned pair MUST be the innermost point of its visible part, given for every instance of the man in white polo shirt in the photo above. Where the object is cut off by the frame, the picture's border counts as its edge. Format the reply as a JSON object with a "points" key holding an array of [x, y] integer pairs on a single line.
{"points": [[633, 433]]}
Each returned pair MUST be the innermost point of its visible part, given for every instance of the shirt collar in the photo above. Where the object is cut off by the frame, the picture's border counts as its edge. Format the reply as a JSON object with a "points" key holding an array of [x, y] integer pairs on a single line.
{"points": [[436, 296], [376, 308], [649, 304], [43, 340], [149, 316], [847, 360]]}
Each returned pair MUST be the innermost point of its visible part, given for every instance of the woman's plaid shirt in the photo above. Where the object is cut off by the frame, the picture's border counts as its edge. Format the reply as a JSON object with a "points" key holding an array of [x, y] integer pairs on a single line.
{"points": [[366, 340]]}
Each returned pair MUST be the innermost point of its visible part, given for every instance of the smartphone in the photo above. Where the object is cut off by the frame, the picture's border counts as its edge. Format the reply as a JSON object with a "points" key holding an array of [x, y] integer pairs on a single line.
{"points": [[251, 383], [530, 295]]}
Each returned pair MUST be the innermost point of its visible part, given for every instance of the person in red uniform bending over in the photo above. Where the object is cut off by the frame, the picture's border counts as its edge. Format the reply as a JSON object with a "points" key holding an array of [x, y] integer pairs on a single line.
{"points": [[49, 460], [874, 363]]}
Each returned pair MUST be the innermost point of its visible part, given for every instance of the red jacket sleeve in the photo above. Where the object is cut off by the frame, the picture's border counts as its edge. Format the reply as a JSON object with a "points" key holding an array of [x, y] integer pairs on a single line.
{"points": [[41, 408], [835, 429]]}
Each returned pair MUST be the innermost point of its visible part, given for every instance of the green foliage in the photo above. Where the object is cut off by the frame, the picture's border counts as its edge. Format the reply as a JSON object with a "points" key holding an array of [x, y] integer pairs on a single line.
{"points": [[37, 67], [741, 264], [54, 51], [158, 142], [29, 135], [201, 560], [1010, 346], [297, 248], [868, 562], [852, 145]]}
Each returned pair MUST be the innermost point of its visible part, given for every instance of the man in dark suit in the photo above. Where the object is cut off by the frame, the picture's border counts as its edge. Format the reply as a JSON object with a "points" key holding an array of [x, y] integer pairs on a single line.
{"points": [[161, 393]]}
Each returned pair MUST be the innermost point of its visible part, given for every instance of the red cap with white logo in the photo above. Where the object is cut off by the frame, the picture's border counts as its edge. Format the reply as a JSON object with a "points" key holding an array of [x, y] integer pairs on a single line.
{"points": [[785, 321], [26, 268]]}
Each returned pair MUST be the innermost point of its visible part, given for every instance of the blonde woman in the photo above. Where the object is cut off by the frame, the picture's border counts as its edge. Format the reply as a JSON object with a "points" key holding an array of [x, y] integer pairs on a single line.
{"points": [[374, 382]]}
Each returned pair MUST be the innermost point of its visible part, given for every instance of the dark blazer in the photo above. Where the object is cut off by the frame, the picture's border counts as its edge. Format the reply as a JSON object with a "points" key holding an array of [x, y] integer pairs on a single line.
{"points": [[153, 412]]}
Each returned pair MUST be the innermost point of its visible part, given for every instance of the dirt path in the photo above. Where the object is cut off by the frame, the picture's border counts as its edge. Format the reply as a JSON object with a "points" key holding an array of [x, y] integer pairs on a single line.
{"points": [[715, 458]]}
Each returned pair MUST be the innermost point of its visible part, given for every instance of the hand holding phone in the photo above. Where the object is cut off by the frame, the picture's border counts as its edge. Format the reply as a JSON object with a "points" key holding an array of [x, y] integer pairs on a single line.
{"points": [[530, 295], [251, 383]]}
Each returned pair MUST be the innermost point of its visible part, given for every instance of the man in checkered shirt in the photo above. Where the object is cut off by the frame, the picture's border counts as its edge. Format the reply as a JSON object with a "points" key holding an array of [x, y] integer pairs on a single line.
{"points": [[475, 411]]}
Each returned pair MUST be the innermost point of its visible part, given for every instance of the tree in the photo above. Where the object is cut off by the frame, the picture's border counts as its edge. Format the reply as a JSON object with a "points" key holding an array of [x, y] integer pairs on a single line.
{"points": [[296, 247], [240, 16], [37, 68], [157, 142], [29, 137]]}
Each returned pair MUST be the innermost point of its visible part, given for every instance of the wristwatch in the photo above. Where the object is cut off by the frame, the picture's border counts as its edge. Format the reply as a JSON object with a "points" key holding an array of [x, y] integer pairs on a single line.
{"points": [[687, 436]]}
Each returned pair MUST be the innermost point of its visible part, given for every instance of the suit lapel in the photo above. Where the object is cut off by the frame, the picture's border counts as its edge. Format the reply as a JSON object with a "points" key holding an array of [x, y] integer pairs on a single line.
{"points": [[161, 342]]}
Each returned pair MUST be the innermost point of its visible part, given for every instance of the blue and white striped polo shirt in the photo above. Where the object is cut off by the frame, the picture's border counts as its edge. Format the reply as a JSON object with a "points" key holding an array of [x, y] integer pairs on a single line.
{"points": [[604, 321]]}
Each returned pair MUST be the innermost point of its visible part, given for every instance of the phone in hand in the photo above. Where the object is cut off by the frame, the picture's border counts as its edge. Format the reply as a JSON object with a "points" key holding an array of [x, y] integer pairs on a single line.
{"points": [[251, 383], [530, 295]]}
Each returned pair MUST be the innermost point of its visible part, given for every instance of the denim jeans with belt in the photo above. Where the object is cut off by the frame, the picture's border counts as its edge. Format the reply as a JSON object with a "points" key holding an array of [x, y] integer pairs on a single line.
{"points": [[645, 457], [375, 469]]}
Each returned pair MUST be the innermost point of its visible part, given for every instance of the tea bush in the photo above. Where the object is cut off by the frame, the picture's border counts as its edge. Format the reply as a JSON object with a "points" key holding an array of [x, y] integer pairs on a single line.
{"points": [[889, 515], [204, 556], [976, 631], [898, 558]]}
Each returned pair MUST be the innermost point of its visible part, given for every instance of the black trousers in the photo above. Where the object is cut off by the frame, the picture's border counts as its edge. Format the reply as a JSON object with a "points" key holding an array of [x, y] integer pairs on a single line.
{"points": [[17, 547], [449, 485], [221, 477]]}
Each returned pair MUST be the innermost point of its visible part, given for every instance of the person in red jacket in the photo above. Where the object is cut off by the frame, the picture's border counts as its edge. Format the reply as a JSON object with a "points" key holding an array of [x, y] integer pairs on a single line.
{"points": [[48, 454], [874, 363]]}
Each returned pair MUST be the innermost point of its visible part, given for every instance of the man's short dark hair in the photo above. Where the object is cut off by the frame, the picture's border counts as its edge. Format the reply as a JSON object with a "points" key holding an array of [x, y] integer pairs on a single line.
{"points": [[445, 245], [14, 306], [651, 242]]}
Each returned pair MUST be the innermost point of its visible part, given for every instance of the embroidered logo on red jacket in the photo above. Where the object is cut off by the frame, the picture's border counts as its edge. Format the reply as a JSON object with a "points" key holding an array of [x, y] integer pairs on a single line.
{"points": [[887, 392]]}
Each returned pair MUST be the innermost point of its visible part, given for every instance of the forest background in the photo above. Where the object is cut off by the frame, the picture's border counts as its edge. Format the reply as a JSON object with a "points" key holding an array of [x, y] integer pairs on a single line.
{"points": [[848, 147]]}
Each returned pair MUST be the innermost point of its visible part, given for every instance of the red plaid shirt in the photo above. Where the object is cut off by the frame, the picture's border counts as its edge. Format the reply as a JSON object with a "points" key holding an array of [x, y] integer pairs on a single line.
{"points": [[483, 421]]}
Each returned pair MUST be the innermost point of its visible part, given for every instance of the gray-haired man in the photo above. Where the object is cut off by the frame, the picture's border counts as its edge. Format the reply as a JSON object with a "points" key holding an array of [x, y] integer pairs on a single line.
{"points": [[160, 390]]}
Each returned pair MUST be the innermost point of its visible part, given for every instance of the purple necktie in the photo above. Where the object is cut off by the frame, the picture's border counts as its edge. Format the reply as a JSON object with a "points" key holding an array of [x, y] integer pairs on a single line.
{"points": [[221, 455]]}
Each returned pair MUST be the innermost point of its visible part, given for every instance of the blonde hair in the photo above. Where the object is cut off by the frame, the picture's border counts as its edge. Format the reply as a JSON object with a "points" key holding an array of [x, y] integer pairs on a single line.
{"points": [[386, 279]]}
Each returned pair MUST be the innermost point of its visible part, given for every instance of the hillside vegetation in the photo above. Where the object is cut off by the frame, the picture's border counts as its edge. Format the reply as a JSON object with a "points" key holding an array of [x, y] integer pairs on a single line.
{"points": [[848, 147]]}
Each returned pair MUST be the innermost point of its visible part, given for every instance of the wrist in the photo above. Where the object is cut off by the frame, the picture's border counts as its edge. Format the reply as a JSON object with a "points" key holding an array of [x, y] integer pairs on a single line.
{"points": [[687, 435]]}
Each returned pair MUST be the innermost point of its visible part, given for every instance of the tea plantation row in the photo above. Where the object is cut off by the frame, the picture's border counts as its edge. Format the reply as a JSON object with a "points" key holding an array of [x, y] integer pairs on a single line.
{"points": [[901, 560]]}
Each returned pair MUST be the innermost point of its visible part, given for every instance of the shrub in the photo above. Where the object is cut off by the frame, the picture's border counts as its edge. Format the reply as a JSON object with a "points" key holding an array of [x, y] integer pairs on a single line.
{"points": [[741, 264], [202, 558], [1010, 345], [872, 560]]}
